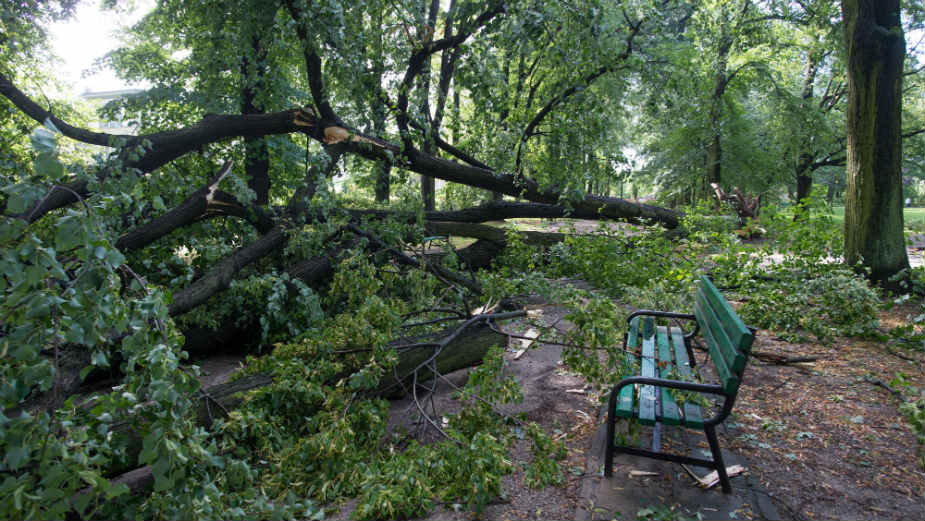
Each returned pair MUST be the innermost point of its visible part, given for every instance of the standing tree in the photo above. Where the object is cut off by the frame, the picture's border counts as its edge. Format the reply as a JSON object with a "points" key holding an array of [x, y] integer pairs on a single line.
{"points": [[873, 202]]}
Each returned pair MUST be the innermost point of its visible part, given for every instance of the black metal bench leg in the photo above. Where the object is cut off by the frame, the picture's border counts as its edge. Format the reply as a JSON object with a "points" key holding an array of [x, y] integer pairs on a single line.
{"points": [[608, 441], [710, 431]]}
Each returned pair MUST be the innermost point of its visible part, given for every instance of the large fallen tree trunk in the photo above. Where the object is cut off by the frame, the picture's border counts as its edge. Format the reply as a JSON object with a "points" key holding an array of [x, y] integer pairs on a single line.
{"points": [[491, 233], [169, 145], [441, 353]]}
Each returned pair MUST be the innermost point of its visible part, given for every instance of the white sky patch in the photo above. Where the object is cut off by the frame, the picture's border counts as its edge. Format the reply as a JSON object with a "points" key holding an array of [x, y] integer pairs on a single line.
{"points": [[92, 32], [87, 36]]}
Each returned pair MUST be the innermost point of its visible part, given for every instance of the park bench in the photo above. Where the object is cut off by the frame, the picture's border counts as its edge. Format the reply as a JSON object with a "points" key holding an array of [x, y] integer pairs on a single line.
{"points": [[665, 360]]}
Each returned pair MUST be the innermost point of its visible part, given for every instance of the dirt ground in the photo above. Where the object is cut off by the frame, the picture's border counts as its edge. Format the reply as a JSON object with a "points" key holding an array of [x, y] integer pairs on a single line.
{"points": [[824, 440], [820, 438]]}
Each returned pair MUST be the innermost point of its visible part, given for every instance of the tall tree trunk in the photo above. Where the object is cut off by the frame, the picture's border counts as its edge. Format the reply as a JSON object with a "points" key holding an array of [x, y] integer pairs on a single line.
{"points": [[804, 172], [873, 199], [256, 155], [428, 184], [383, 169], [720, 81]]}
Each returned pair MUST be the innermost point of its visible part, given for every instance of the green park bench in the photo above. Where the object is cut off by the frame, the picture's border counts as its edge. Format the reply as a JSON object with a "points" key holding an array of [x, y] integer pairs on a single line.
{"points": [[667, 359]]}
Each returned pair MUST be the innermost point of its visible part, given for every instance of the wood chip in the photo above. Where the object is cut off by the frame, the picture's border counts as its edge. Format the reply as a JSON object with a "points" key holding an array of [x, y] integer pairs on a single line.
{"points": [[711, 479], [642, 473], [524, 343], [531, 334]]}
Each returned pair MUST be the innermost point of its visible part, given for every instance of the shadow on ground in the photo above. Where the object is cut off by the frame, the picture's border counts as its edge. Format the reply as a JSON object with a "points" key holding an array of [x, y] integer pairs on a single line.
{"points": [[666, 485]]}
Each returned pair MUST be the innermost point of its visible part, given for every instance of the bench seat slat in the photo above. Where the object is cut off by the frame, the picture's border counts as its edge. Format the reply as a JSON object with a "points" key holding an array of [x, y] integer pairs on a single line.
{"points": [[693, 414], [670, 413], [624, 406], [647, 392]]}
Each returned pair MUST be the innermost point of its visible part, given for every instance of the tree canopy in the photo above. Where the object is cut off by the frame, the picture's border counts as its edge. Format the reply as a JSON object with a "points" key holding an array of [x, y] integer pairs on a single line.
{"points": [[279, 194]]}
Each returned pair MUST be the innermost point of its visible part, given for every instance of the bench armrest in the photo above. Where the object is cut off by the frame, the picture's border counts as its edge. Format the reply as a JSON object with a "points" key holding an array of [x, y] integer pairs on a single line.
{"points": [[671, 384], [667, 314], [678, 384]]}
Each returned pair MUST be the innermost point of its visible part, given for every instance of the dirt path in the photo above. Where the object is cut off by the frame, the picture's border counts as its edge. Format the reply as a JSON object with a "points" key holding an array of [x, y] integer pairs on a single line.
{"points": [[820, 441], [826, 440]]}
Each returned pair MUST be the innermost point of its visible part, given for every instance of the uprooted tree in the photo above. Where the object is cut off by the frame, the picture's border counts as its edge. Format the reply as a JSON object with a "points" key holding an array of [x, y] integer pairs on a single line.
{"points": [[225, 224], [218, 222]]}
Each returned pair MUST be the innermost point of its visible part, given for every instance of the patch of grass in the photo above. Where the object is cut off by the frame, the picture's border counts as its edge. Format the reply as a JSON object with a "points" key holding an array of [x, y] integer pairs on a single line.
{"points": [[914, 218]]}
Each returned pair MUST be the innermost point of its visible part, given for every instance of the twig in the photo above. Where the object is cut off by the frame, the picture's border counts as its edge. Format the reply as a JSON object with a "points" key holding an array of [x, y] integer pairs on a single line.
{"points": [[900, 355], [164, 336], [400, 347], [779, 359], [551, 342], [433, 310], [417, 403], [880, 383], [432, 321], [778, 386]]}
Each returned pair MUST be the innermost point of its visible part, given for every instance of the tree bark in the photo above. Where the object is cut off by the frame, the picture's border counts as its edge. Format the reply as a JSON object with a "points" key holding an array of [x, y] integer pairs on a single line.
{"points": [[169, 145], [256, 155], [490, 233], [720, 82], [452, 349], [491, 211], [479, 254], [804, 172], [383, 169], [206, 202], [220, 276], [873, 200]]}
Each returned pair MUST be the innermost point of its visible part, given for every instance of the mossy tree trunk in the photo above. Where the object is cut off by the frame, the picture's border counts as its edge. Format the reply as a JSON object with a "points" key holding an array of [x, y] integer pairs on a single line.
{"points": [[873, 199]]}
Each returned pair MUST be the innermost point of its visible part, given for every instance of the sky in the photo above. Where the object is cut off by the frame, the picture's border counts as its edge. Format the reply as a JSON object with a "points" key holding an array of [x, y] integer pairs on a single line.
{"points": [[91, 33], [87, 36]]}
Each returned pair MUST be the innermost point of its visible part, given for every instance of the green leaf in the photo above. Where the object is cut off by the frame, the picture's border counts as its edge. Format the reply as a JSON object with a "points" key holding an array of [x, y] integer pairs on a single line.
{"points": [[21, 196], [69, 234], [89, 477], [98, 358], [16, 457], [43, 141], [47, 165], [50, 125]]}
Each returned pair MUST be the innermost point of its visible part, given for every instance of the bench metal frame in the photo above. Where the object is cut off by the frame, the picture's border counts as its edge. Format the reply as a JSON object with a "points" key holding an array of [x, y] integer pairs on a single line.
{"points": [[709, 425]]}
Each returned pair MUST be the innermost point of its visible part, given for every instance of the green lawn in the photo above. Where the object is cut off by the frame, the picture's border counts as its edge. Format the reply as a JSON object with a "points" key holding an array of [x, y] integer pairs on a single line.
{"points": [[914, 218]]}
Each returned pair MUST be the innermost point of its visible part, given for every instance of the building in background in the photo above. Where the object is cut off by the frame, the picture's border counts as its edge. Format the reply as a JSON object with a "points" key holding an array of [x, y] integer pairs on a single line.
{"points": [[100, 98]]}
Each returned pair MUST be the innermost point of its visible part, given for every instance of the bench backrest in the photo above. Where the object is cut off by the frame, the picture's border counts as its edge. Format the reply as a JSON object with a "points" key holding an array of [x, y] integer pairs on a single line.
{"points": [[728, 340]]}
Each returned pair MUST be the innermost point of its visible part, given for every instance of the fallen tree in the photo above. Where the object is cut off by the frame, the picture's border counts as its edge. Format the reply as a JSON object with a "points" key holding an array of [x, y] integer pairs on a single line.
{"points": [[420, 360], [106, 267]]}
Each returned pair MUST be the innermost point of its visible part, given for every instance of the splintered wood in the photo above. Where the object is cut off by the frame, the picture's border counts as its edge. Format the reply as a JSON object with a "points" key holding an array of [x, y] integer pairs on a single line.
{"points": [[711, 479], [522, 344]]}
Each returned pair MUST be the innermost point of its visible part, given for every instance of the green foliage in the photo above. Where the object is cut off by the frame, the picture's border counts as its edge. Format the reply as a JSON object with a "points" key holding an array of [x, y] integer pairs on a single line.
{"points": [[544, 470], [599, 327], [318, 437], [71, 305], [796, 284], [913, 409], [834, 304], [661, 513]]}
